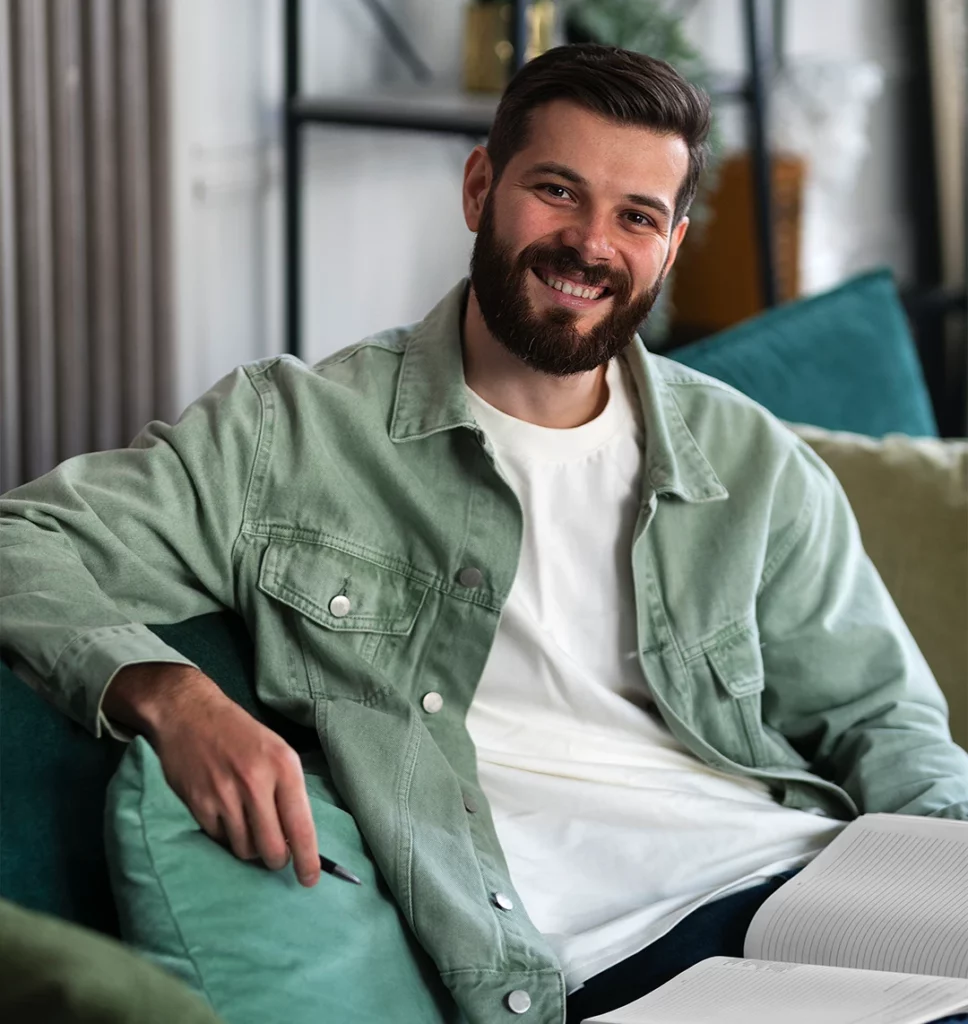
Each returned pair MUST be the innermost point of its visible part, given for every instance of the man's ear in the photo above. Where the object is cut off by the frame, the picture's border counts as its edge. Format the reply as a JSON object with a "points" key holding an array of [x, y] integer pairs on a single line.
{"points": [[478, 177], [678, 234]]}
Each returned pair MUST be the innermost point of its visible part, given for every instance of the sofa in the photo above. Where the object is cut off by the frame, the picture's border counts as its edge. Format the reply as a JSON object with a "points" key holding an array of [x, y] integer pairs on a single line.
{"points": [[840, 369]]}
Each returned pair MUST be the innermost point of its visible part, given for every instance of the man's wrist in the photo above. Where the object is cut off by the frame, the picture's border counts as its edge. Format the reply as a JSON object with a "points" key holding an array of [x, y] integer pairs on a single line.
{"points": [[143, 697]]}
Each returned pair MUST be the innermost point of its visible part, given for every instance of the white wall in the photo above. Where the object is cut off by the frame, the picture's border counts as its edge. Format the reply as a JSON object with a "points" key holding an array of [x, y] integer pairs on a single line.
{"points": [[384, 235]]}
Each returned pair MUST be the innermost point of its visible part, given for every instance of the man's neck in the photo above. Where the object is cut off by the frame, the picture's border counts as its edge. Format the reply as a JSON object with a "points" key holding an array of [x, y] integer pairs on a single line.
{"points": [[509, 384]]}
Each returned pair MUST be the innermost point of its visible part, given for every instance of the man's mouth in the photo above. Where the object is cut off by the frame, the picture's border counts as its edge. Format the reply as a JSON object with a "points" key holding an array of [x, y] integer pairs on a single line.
{"points": [[570, 287]]}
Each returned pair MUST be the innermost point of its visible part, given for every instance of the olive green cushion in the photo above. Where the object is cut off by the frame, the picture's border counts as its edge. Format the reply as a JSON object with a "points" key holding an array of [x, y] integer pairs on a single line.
{"points": [[52, 972], [910, 496], [256, 943]]}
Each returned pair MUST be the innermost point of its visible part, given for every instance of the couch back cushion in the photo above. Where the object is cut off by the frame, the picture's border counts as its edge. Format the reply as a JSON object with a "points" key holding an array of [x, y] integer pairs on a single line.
{"points": [[844, 360]]}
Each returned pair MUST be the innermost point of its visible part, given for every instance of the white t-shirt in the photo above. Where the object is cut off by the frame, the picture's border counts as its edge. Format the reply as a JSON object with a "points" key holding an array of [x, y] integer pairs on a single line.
{"points": [[613, 831]]}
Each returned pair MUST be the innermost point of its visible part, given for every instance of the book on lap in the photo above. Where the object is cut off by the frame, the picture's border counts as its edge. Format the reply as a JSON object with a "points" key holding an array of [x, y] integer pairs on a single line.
{"points": [[873, 931]]}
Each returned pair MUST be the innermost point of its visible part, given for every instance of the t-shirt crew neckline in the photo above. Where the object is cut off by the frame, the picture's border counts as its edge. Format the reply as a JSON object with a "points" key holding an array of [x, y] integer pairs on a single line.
{"points": [[536, 443]]}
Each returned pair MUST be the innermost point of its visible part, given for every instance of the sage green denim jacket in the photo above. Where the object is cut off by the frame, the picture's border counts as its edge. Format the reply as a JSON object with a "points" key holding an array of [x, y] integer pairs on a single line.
{"points": [[768, 641]]}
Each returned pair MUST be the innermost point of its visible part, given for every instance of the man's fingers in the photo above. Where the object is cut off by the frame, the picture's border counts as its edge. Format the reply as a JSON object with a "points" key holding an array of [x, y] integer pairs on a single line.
{"points": [[233, 826], [266, 829], [292, 803]]}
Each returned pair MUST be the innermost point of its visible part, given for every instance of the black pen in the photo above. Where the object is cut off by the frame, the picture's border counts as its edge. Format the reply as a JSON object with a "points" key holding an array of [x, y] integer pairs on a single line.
{"points": [[332, 868]]}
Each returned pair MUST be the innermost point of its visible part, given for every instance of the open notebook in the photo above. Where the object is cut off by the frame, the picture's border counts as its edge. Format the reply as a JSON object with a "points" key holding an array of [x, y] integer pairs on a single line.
{"points": [[873, 931]]}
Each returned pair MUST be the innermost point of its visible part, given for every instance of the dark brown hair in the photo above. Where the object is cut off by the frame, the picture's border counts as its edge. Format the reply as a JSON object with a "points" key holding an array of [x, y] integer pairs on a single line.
{"points": [[622, 86]]}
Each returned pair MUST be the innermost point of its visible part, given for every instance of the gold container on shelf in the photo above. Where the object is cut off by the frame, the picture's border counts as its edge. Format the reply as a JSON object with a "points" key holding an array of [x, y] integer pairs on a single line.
{"points": [[488, 50]]}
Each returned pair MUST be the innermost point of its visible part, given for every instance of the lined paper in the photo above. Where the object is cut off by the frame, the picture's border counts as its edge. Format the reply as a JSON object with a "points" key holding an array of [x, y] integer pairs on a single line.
{"points": [[890, 893], [722, 990]]}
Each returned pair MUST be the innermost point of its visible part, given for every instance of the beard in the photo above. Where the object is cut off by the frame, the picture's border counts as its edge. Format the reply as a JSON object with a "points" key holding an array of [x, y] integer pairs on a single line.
{"points": [[550, 342]]}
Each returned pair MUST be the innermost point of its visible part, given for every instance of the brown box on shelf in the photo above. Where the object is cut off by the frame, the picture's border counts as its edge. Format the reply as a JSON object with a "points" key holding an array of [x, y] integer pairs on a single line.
{"points": [[717, 277]]}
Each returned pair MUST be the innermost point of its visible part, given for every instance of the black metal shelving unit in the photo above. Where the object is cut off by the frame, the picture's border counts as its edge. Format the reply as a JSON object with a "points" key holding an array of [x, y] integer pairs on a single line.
{"points": [[929, 303], [422, 109]]}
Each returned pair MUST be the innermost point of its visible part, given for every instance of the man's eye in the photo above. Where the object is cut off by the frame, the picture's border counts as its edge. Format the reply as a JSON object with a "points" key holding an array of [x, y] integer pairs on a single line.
{"points": [[640, 220], [555, 191]]}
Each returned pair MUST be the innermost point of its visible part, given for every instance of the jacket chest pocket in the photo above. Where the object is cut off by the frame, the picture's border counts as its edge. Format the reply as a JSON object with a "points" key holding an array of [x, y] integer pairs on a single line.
{"points": [[728, 680], [350, 636]]}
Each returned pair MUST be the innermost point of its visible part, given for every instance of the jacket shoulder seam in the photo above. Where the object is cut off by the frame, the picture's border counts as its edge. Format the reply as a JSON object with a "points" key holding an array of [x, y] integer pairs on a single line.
{"points": [[352, 350]]}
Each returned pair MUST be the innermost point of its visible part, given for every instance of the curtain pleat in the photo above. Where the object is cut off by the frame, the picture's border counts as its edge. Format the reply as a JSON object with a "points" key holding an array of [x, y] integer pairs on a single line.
{"points": [[85, 347], [70, 231], [135, 163], [10, 456], [32, 179], [103, 245]]}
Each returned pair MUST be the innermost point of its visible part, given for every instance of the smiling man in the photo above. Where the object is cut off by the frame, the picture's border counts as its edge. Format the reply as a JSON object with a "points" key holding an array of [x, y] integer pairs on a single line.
{"points": [[592, 648]]}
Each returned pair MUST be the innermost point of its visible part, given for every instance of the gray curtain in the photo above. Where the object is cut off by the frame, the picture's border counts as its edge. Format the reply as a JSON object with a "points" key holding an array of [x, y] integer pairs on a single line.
{"points": [[85, 348]]}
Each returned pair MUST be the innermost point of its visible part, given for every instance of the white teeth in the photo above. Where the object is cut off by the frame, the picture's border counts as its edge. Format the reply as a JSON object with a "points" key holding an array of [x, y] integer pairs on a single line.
{"points": [[572, 289]]}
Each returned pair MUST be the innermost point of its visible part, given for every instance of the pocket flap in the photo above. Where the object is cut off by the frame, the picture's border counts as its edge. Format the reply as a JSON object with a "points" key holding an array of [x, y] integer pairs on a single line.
{"points": [[308, 576], [738, 664]]}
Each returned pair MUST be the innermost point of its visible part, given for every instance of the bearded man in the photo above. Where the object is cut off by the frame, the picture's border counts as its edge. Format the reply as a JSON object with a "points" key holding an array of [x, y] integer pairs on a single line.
{"points": [[591, 645]]}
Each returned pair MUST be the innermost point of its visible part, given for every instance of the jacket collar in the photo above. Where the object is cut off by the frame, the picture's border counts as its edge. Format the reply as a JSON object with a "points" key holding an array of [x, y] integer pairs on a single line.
{"points": [[430, 389], [431, 398]]}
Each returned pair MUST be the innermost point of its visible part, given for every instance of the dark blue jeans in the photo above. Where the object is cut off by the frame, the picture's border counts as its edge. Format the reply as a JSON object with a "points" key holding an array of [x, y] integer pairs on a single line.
{"points": [[716, 929]]}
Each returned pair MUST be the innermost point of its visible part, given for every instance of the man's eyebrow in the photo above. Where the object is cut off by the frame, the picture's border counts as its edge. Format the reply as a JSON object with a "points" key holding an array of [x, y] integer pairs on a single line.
{"points": [[563, 171], [559, 170]]}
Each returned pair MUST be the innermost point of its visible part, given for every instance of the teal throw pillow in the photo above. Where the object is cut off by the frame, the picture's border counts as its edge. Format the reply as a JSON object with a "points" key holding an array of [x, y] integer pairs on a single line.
{"points": [[257, 945], [844, 360]]}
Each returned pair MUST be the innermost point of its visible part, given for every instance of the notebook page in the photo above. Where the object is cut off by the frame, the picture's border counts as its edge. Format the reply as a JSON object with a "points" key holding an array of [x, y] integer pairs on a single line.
{"points": [[722, 990], [890, 893]]}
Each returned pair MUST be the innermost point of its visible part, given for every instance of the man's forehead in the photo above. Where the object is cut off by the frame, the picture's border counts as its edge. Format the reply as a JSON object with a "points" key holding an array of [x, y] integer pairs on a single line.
{"points": [[629, 158]]}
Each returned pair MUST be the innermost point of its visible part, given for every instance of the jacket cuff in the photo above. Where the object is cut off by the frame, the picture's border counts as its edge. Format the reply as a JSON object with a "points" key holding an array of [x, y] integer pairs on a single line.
{"points": [[87, 666]]}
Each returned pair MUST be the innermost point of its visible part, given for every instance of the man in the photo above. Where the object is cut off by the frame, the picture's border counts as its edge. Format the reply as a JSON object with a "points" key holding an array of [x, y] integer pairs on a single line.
{"points": [[597, 619]]}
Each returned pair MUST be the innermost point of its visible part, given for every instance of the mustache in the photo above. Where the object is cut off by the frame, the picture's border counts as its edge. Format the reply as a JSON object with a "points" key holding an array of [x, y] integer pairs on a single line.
{"points": [[568, 262]]}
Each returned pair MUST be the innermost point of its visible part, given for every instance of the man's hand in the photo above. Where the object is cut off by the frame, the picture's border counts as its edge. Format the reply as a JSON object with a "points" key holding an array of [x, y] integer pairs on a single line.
{"points": [[242, 782]]}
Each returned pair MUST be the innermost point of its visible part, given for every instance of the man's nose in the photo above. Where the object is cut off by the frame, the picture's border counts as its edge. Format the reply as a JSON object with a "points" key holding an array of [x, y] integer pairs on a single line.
{"points": [[589, 235]]}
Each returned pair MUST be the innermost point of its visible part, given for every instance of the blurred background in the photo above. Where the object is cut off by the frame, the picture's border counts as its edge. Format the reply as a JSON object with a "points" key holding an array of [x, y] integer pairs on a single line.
{"points": [[190, 184]]}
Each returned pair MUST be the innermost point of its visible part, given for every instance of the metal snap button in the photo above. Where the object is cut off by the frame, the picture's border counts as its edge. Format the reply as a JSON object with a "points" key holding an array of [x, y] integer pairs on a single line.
{"points": [[470, 577], [518, 1001], [339, 606], [432, 702], [502, 901]]}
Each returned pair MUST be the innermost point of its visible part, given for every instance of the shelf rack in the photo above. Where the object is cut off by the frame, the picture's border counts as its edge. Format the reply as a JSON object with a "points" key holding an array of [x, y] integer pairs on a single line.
{"points": [[423, 109]]}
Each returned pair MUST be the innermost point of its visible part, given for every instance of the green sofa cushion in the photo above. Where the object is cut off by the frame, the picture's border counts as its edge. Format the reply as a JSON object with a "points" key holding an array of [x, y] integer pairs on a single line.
{"points": [[844, 360], [53, 778], [259, 946], [52, 972]]}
